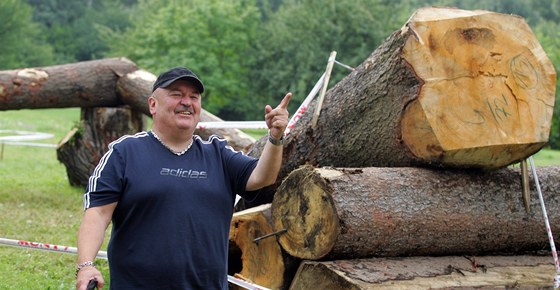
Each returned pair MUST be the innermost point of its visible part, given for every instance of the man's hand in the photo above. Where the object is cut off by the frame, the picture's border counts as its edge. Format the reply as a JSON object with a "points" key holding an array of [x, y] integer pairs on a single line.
{"points": [[85, 275], [277, 118]]}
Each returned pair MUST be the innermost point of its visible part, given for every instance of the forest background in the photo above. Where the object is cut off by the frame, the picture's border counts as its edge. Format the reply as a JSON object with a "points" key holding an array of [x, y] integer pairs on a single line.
{"points": [[248, 52]]}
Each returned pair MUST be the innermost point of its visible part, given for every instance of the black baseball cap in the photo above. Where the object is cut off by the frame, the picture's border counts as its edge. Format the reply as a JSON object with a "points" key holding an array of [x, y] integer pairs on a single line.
{"points": [[168, 77]]}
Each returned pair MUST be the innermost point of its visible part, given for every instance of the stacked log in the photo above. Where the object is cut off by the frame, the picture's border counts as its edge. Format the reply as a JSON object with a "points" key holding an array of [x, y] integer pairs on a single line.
{"points": [[409, 165], [490, 272], [384, 212], [452, 88], [93, 86], [254, 252]]}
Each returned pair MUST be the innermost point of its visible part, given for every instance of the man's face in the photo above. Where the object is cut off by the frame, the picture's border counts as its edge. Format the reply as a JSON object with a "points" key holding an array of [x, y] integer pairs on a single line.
{"points": [[177, 106]]}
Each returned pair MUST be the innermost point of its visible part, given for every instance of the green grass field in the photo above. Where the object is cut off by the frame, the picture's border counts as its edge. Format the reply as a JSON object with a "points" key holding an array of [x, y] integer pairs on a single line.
{"points": [[37, 203]]}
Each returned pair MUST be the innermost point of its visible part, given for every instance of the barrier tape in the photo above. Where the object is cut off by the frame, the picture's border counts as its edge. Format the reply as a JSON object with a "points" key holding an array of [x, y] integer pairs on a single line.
{"points": [[103, 255]]}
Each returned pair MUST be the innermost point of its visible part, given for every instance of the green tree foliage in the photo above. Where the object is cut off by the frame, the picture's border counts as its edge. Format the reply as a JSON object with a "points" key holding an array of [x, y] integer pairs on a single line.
{"points": [[248, 52], [294, 44], [20, 39], [70, 26], [210, 37]]}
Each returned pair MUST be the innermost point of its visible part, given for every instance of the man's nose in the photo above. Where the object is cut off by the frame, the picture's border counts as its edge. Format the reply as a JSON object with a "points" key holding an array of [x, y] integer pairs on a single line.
{"points": [[186, 100]]}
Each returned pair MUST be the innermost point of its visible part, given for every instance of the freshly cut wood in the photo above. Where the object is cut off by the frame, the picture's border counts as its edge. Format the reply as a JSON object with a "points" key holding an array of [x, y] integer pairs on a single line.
{"points": [[387, 211], [135, 88], [83, 147], [262, 262], [452, 88], [81, 84], [450, 272]]}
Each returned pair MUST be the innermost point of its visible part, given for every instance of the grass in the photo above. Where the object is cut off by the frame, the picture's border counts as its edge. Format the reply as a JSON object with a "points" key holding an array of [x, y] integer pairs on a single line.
{"points": [[38, 204]]}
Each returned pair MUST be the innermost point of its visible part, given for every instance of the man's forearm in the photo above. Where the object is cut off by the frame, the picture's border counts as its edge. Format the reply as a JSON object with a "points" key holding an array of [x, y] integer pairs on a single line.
{"points": [[267, 168], [92, 233]]}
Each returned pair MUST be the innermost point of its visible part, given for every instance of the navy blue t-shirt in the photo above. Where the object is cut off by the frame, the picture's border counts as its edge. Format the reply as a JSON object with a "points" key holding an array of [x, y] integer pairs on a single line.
{"points": [[172, 220]]}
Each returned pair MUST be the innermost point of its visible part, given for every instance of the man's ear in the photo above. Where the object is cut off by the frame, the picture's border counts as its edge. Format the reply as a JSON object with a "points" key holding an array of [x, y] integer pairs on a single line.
{"points": [[152, 104]]}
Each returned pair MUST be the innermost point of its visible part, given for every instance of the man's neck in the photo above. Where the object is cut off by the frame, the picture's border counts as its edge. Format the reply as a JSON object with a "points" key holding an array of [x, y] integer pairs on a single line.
{"points": [[176, 141]]}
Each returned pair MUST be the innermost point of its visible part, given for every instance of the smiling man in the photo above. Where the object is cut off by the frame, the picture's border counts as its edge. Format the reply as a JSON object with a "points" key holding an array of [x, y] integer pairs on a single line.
{"points": [[170, 195]]}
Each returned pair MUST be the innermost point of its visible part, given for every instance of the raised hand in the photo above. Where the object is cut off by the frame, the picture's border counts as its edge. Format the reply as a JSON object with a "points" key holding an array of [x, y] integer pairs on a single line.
{"points": [[277, 118]]}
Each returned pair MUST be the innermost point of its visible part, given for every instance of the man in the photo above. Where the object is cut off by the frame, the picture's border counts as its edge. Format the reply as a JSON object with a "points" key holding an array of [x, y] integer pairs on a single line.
{"points": [[170, 195]]}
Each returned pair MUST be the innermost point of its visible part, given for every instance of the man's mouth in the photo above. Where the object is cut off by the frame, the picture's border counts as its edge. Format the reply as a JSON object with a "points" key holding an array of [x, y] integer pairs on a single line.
{"points": [[186, 113]]}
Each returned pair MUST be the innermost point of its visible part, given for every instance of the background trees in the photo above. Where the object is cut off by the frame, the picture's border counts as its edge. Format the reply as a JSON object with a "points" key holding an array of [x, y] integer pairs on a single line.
{"points": [[21, 39], [249, 52]]}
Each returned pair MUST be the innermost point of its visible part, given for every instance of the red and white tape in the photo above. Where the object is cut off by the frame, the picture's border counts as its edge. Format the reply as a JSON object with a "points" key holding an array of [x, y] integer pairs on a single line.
{"points": [[102, 255]]}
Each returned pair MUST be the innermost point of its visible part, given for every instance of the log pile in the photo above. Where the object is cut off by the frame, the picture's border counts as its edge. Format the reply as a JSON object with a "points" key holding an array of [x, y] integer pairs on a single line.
{"points": [[406, 181]]}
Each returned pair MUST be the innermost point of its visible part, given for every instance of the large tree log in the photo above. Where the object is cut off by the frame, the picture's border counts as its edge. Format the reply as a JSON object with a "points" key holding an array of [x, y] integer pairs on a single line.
{"points": [[99, 83], [452, 88], [83, 147], [451, 272], [262, 262], [82, 84], [355, 213]]}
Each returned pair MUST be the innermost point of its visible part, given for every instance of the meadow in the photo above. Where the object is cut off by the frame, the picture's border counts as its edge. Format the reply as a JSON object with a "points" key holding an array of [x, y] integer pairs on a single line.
{"points": [[37, 203]]}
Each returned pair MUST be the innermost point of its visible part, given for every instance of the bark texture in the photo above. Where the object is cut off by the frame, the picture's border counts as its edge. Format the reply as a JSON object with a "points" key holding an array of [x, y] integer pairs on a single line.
{"points": [[83, 147], [356, 213], [108, 82], [82, 84], [449, 272], [452, 88]]}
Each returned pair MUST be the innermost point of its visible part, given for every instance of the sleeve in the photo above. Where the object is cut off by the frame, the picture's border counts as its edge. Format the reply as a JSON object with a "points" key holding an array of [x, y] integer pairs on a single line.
{"points": [[105, 185], [239, 168]]}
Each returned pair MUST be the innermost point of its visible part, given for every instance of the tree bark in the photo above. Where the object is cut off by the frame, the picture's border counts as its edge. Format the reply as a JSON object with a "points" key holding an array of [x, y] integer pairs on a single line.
{"points": [[262, 262], [100, 83], [357, 213], [450, 272], [82, 84], [452, 88], [83, 147]]}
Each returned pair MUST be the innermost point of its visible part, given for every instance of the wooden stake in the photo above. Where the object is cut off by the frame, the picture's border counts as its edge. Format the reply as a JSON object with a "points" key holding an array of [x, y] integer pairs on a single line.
{"points": [[323, 89]]}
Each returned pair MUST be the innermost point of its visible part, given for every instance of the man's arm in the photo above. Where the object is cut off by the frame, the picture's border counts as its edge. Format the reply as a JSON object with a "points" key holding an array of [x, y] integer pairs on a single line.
{"points": [[90, 237], [270, 161]]}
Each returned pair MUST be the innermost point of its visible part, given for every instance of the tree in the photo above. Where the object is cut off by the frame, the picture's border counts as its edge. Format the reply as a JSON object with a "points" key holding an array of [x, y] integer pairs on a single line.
{"points": [[21, 39], [71, 26], [293, 46], [210, 37]]}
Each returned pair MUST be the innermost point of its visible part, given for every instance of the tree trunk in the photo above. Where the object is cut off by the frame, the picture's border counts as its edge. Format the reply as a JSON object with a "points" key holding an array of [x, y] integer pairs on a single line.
{"points": [[83, 147], [262, 262], [82, 84], [453, 88], [451, 272], [100, 83], [356, 213]]}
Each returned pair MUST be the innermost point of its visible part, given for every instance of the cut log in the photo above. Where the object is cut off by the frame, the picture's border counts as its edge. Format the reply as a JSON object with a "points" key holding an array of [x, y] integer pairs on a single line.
{"points": [[82, 84], [262, 262], [100, 83], [451, 272], [83, 147], [358, 213], [453, 88]]}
